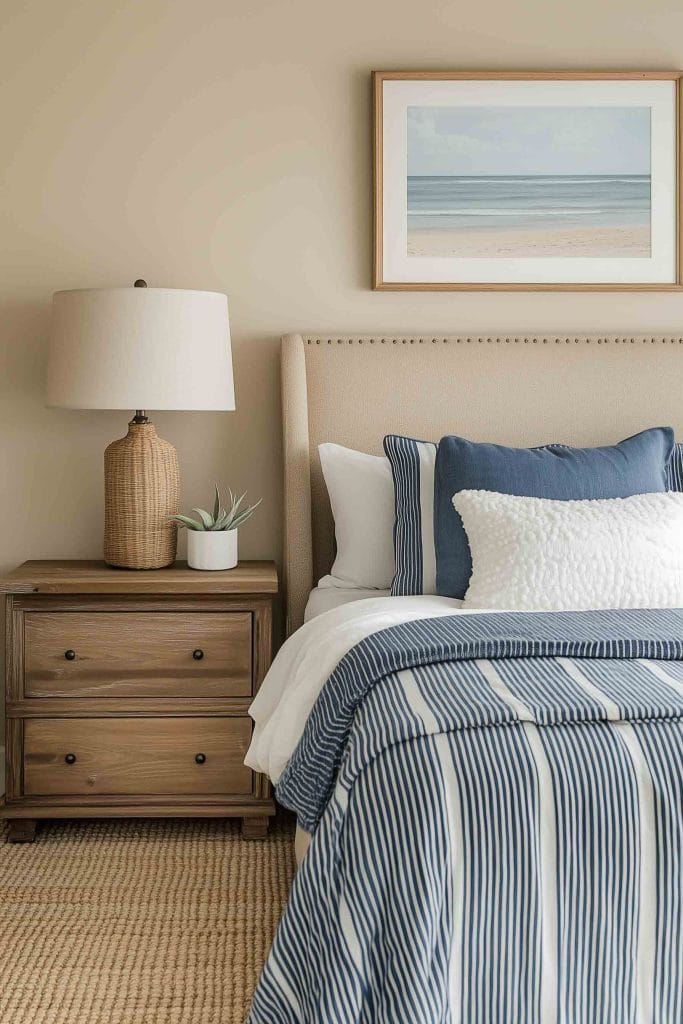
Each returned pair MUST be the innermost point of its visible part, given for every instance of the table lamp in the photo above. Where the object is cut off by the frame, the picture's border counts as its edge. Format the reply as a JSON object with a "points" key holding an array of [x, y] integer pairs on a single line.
{"points": [[140, 348]]}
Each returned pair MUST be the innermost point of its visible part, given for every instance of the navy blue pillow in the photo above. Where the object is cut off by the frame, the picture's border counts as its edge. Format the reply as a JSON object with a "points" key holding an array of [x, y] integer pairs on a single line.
{"points": [[638, 465]]}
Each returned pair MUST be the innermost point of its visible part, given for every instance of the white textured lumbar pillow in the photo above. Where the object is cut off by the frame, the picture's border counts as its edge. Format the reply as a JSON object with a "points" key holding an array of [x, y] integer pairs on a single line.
{"points": [[537, 553]]}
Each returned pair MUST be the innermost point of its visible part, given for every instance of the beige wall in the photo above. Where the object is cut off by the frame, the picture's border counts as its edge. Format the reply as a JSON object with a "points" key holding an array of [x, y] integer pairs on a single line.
{"points": [[226, 145]]}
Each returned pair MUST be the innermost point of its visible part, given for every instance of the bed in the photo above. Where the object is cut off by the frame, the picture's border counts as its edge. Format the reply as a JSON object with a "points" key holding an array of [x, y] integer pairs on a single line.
{"points": [[495, 798]]}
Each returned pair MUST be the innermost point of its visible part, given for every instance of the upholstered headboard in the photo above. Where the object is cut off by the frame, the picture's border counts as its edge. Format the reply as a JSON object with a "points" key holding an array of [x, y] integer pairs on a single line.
{"points": [[513, 390]]}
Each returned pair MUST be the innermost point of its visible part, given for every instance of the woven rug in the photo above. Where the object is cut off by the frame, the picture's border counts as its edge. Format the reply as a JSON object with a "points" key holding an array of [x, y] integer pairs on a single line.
{"points": [[138, 921]]}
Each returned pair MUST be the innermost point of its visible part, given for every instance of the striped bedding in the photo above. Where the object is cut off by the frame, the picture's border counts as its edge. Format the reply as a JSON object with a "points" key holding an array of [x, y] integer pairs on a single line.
{"points": [[497, 807]]}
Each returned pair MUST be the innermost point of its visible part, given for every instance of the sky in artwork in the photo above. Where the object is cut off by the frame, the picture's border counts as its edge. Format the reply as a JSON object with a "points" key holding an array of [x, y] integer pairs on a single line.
{"points": [[528, 140]]}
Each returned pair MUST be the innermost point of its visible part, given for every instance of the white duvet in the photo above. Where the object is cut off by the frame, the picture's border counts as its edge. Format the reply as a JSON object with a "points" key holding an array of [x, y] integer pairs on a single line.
{"points": [[307, 659]]}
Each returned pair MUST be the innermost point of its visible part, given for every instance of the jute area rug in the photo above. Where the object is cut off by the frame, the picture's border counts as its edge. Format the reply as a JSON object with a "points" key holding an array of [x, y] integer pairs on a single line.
{"points": [[138, 921]]}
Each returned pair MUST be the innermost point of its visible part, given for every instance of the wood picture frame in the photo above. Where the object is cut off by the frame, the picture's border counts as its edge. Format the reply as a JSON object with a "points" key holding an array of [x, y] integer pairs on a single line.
{"points": [[643, 254]]}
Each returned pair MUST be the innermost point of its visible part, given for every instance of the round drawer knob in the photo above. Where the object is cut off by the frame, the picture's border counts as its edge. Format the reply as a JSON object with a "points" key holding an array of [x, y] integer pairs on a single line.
{"points": [[200, 758], [70, 759], [70, 655], [198, 654]]}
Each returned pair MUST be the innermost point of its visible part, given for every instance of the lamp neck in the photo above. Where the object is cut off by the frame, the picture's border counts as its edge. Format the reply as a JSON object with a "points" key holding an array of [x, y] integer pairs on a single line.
{"points": [[140, 417]]}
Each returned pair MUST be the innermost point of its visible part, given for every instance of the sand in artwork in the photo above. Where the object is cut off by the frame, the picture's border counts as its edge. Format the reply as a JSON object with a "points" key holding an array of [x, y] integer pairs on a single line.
{"points": [[626, 241]]}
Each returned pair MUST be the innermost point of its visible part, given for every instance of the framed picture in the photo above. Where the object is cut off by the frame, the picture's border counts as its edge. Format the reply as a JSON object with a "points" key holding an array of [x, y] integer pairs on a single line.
{"points": [[537, 181]]}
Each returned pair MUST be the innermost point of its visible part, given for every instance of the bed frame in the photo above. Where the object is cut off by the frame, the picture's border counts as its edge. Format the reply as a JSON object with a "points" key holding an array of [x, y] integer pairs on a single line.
{"points": [[522, 390]]}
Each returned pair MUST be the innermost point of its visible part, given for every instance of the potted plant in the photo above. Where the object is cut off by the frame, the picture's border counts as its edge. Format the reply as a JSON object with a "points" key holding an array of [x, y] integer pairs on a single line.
{"points": [[212, 539]]}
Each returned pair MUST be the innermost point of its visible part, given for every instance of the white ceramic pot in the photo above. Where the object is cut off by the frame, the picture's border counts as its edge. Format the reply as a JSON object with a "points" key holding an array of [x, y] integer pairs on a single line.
{"points": [[212, 549]]}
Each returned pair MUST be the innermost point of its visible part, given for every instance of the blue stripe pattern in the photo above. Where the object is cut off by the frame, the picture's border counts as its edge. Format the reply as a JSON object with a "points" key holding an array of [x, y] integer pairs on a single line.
{"points": [[663, 749], [497, 807], [598, 899], [675, 468], [409, 460], [306, 784]]}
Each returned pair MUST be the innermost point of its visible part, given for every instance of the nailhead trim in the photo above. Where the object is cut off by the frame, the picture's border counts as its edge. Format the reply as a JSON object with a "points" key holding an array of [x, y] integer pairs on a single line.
{"points": [[606, 340]]}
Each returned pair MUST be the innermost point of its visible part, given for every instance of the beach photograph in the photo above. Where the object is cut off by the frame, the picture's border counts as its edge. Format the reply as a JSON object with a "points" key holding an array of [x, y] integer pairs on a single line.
{"points": [[513, 182]]}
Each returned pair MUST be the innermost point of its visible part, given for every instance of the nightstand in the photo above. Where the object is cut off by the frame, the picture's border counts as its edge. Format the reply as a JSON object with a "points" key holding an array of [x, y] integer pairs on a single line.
{"points": [[127, 692]]}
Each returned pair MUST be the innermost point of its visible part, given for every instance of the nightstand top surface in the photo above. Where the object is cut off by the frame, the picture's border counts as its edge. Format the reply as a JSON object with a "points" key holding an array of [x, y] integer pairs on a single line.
{"points": [[94, 577]]}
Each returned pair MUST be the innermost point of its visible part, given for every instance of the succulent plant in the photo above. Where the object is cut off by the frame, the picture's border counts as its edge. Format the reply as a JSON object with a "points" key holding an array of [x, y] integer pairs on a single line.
{"points": [[221, 519]]}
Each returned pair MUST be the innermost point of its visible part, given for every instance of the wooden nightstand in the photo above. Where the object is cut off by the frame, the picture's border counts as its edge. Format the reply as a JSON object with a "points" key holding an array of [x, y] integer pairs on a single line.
{"points": [[127, 692]]}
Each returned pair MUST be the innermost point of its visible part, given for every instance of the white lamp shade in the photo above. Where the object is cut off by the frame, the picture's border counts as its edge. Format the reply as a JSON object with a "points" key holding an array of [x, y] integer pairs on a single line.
{"points": [[140, 348]]}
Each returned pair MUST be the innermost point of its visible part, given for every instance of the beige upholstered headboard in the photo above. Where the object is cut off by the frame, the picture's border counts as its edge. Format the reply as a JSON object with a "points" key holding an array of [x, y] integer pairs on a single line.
{"points": [[512, 390]]}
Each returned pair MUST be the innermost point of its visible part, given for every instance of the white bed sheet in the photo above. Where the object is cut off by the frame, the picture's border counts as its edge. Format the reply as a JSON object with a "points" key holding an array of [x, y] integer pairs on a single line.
{"points": [[323, 599], [306, 660]]}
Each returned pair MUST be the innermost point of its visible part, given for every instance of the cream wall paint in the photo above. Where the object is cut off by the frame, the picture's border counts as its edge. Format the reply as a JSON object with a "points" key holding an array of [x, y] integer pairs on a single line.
{"points": [[224, 145]]}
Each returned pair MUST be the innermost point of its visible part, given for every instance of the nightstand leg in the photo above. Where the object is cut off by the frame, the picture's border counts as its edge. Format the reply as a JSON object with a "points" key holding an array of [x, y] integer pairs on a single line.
{"points": [[22, 830], [254, 828]]}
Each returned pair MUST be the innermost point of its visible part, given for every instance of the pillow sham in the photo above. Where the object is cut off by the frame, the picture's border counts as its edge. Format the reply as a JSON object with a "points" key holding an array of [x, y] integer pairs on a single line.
{"points": [[636, 465], [550, 555], [361, 492], [675, 469], [412, 467]]}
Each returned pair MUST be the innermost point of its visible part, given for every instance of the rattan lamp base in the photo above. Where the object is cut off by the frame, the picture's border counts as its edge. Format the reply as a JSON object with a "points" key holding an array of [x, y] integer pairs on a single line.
{"points": [[141, 493]]}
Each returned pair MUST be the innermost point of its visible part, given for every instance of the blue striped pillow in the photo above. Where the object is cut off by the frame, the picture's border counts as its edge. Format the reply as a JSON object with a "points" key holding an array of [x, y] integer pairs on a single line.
{"points": [[675, 469], [412, 466]]}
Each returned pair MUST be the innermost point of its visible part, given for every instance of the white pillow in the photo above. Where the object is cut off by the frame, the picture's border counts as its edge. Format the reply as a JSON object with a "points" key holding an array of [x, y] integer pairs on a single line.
{"points": [[361, 490], [542, 554]]}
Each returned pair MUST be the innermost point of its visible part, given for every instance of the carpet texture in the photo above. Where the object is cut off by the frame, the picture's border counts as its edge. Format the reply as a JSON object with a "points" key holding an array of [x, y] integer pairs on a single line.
{"points": [[138, 921]]}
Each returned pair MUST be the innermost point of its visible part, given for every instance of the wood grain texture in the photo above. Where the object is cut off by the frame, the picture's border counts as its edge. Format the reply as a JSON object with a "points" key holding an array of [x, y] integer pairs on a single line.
{"points": [[143, 707], [81, 807], [62, 805], [14, 650], [378, 79], [141, 602], [522, 76], [138, 654], [254, 827], [263, 643], [22, 830], [95, 577], [133, 705], [150, 756], [14, 760]]}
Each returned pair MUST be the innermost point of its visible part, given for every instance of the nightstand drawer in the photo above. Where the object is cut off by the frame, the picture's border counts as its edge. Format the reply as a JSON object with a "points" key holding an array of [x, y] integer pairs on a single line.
{"points": [[137, 654], [133, 756]]}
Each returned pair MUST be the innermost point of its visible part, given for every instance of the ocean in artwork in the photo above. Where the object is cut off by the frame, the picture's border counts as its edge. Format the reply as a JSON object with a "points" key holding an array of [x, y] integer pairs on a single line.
{"points": [[600, 209]]}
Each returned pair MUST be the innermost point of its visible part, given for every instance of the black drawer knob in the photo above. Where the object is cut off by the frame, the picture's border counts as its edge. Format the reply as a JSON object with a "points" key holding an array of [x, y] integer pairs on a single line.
{"points": [[70, 655], [200, 758], [70, 759], [198, 654]]}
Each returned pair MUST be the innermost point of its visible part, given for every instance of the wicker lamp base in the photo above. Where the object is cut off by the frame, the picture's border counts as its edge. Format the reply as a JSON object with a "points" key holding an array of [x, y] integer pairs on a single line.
{"points": [[141, 492]]}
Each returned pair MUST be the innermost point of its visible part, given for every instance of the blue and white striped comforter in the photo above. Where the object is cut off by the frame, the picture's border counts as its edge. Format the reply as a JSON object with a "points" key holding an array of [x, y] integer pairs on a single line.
{"points": [[497, 807]]}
